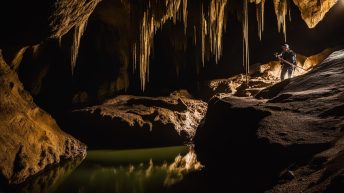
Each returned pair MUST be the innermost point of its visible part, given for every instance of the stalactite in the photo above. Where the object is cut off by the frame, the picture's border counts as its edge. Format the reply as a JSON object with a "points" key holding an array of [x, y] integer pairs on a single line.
{"points": [[259, 23], [289, 14], [35, 50], [146, 41], [172, 10], [262, 4], [212, 27], [149, 25], [59, 39], [78, 32], [281, 11], [185, 14], [216, 23], [246, 56], [18, 57], [260, 16], [134, 55], [204, 33], [68, 15]]}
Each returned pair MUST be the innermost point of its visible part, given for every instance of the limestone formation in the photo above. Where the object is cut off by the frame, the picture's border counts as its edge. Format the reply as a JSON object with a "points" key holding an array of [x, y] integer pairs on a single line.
{"points": [[313, 11], [136, 121], [30, 138], [297, 126]]}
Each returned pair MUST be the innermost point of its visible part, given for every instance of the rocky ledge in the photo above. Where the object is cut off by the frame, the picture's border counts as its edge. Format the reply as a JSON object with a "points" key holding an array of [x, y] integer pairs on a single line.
{"points": [[30, 138], [134, 121], [289, 139], [261, 76]]}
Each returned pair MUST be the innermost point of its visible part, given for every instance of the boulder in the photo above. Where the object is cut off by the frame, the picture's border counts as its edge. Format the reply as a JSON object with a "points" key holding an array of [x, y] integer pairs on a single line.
{"points": [[296, 121], [135, 121], [30, 138]]}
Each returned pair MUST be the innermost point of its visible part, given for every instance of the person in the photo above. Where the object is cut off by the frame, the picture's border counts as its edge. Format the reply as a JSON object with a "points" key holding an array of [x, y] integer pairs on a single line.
{"points": [[290, 56]]}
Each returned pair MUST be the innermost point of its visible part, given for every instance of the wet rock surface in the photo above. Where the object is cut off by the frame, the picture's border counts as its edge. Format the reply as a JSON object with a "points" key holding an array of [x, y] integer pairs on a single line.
{"points": [[133, 121]]}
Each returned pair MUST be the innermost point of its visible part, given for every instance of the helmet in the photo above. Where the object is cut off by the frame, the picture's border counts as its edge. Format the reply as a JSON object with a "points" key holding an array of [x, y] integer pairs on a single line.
{"points": [[285, 46]]}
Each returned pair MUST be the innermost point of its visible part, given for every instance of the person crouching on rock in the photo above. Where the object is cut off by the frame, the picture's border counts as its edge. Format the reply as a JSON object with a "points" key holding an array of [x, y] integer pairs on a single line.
{"points": [[288, 61]]}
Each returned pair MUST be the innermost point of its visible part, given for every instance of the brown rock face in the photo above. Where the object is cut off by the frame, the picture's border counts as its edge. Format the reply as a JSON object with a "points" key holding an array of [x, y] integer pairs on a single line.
{"points": [[70, 13], [313, 11], [134, 121], [30, 138]]}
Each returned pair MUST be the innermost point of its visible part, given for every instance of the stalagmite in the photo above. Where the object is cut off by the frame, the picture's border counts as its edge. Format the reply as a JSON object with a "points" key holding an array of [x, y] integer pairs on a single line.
{"points": [[78, 32], [246, 56], [281, 11]]}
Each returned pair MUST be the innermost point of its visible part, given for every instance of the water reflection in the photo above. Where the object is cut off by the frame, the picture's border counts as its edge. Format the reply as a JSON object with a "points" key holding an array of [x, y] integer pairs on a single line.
{"points": [[48, 181], [139, 171], [151, 171], [181, 166]]}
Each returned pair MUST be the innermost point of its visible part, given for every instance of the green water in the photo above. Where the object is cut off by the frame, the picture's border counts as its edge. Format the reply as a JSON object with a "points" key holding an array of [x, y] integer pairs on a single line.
{"points": [[125, 171]]}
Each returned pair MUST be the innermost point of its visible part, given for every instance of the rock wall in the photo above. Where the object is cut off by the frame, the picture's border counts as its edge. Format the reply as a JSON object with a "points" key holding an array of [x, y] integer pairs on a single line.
{"points": [[294, 133], [30, 138]]}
